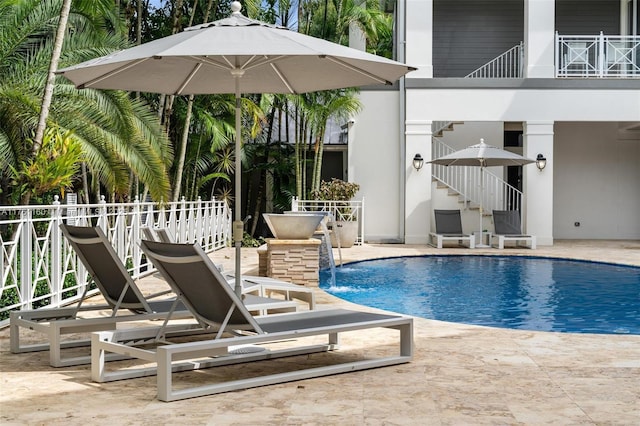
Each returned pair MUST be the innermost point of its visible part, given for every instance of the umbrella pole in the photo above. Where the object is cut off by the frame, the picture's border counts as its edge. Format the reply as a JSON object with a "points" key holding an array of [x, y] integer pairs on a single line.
{"points": [[481, 242], [238, 225]]}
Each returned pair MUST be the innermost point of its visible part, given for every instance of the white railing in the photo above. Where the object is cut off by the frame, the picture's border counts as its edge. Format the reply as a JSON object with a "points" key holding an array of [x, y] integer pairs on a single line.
{"points": [[39, 268], [492, 191], [510, 64], [341, 210], [599, 56], [437, 127]]}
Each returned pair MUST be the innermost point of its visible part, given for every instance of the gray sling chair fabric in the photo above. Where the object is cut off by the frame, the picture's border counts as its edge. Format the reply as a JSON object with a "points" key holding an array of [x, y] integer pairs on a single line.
{"points": [[204, 290], [260, 286], [449, 228], [124, 303], [508, 227]]}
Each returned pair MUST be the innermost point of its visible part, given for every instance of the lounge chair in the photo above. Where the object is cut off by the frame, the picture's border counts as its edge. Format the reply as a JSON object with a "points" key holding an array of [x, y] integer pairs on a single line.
{"points": [[206, 293], [449, 228], [260, 286], [124, 302], [508, 228]]}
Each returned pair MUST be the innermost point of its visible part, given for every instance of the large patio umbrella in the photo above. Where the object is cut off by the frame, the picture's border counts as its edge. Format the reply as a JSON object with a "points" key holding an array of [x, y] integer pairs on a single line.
{"points": [[482, 155], [235, 55]]}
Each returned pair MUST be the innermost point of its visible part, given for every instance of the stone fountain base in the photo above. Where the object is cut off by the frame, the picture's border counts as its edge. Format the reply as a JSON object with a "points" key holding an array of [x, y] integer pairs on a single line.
{"points": [[296, 261]]}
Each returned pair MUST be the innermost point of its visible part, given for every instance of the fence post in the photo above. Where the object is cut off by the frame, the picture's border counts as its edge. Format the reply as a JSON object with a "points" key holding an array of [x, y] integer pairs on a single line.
{"points": [[135, 236], [102, 215], [601, 54], [182, 224], [120, 233], [198, 232], [57, 283], [26, 277]]}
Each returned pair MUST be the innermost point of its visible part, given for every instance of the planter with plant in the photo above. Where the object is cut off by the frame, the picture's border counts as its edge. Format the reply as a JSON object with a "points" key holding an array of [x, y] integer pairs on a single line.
{"points": [[339, 193]]}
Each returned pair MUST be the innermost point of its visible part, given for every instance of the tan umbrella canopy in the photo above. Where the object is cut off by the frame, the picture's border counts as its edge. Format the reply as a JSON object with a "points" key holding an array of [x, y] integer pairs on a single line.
{"points": [[235, 55], [482, 155]]}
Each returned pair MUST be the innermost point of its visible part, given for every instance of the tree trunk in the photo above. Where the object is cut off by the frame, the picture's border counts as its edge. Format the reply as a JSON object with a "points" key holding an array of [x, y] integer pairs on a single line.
{"points": [[48, 88], [85, 183], [183, 150]]}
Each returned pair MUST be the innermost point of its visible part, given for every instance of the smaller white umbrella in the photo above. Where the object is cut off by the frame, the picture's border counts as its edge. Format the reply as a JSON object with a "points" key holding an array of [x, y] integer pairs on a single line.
{"points": [[482, 155]]}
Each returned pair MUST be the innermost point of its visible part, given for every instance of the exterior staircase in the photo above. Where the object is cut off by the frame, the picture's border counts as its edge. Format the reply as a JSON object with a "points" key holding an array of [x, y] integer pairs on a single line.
{"points": [[466, 183]]}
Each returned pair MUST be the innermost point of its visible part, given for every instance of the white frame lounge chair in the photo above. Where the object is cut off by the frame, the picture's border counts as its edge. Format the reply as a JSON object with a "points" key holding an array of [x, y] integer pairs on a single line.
{"points": [[204, 290], [260, 286], [508, 228], [124, 303], [449, 228]]}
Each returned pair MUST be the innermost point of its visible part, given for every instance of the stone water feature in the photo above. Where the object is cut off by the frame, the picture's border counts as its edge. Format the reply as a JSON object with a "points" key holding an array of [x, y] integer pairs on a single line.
{"points": [[293, 255]]}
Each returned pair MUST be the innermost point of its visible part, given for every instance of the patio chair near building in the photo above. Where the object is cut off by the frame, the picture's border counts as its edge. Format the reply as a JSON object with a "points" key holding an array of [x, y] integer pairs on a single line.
{"points": [[449, 228], [203, 289], [124, 303], [508, 228], [260, 286]]}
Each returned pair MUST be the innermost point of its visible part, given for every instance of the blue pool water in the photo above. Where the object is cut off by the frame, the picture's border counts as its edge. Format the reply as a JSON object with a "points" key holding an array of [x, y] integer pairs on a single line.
{"points": [[528, 293]]}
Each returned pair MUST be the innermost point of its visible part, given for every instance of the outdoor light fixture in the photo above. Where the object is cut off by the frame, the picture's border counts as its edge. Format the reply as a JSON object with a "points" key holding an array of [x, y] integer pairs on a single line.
{"points": [[418, 162], [541, 162]]}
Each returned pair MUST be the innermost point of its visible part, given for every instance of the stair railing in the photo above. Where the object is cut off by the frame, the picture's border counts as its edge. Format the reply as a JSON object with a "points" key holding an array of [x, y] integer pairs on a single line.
{"points": [[494, 192], [510, 64]]}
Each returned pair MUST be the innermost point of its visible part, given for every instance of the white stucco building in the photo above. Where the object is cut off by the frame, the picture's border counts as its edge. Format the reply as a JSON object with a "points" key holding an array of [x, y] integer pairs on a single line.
{"points": [[565, 83]]}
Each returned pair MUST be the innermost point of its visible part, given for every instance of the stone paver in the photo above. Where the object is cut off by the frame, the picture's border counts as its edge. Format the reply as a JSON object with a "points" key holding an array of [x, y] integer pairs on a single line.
{"points": [[461, 374]]}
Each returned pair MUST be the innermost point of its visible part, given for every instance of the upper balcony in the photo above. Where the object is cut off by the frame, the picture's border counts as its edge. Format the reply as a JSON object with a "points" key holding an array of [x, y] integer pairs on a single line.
{"points": [[489, 39], [576, 56], [601, 56]]}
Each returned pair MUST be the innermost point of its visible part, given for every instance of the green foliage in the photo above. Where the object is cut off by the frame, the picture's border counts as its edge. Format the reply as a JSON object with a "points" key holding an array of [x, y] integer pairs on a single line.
{"points": [[336, 190], [115, 132], [249, 241], [54, 166]]}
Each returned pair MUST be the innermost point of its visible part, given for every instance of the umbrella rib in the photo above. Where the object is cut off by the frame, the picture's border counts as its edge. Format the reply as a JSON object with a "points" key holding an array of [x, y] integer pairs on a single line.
{"points": [[111, 73], [282, 78], [209, 61], [267, 60], [356, 69], [189, 78]]}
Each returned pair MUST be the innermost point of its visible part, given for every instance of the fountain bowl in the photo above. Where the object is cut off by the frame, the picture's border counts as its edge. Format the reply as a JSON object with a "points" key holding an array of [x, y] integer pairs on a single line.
{"points": [[292, 226]]}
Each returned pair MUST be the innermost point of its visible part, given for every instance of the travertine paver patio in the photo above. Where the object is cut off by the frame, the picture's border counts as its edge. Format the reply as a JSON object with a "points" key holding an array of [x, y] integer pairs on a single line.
{"points": [[461, 375]]}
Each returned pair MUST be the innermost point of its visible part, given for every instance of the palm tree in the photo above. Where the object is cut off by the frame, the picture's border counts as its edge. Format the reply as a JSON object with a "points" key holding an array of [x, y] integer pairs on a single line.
{"points": [[114, 131], [339, 105]]}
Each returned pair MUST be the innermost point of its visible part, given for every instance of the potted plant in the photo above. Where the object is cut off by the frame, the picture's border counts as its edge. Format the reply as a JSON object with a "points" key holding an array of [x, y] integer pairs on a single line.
{"points": [[340, 194]]}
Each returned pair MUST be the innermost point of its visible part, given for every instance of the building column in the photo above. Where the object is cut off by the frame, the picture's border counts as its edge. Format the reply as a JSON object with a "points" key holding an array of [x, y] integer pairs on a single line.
{"points": [[539, 36], [417, 209], [537, 209], [419, 41]]}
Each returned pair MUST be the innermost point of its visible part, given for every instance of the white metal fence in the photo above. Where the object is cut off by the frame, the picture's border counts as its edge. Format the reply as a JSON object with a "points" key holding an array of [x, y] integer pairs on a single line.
{"points": [[597, 56], [39, 268], [341, 210]]}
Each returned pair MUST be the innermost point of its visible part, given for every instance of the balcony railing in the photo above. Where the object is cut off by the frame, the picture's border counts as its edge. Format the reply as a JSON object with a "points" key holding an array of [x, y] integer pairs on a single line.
{"points": [[39, 268], [602, 56]]}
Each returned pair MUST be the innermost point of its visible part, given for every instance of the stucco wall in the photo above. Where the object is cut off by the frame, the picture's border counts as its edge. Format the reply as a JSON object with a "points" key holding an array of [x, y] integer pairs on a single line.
{"points": [[374, 163], [596, 178]]}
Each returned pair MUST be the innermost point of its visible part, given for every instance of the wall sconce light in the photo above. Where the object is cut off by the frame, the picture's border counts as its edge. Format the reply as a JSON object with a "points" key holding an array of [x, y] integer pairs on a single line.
{"points": [[541, 162], [418, 162]]}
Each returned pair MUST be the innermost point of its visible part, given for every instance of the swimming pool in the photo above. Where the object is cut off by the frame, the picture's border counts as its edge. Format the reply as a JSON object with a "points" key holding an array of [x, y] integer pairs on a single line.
{"points": [[529, 293]]}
